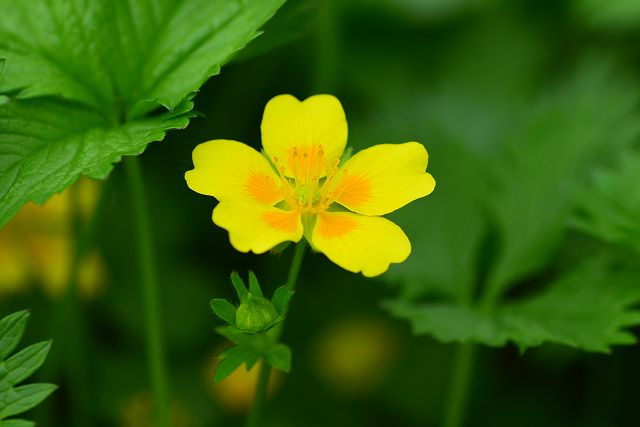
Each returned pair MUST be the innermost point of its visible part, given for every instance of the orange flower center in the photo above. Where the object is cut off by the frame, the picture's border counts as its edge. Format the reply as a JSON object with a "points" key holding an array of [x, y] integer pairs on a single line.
{"points": [[308, 181]]}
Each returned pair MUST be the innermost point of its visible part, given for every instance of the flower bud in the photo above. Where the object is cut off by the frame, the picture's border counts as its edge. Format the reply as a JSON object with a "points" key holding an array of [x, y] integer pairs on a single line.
{"points": [[256, 315]]}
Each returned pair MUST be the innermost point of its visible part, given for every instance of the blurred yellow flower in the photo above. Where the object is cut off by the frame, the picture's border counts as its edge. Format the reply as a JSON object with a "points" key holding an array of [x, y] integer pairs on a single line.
{"points": [[354, 356], [37, 245], [236, 392], [299, 188], [138, 412]]}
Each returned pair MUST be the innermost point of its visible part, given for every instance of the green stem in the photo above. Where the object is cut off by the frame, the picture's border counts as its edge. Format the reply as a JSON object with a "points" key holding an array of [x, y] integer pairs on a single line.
{"points": [[327, 44], [149, 282], [265, 370], [459, 386], [260, 396], [463, 363], [296, 263]]}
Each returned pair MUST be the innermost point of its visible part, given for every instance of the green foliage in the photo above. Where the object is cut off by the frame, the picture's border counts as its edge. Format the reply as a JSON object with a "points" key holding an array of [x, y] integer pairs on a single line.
{"points": [[609, 208], [83, 81], [587, 308], [251, 327], [609, 14], [14, 399], [527, 191]]}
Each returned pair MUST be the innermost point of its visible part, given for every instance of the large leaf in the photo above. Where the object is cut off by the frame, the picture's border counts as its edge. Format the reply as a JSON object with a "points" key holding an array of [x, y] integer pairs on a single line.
{"points": [[113, 62], [546, 162], [587, 309]]}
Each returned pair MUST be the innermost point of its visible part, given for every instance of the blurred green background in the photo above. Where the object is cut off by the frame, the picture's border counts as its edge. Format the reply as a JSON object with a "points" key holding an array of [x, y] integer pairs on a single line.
{"points": [[478, 83]]}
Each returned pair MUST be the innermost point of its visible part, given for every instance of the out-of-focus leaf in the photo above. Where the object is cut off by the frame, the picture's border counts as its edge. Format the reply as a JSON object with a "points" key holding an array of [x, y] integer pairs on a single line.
{"points": [[17, 423], [445, 228], [588, 309], [290, 23], [113, 63], [613, 15], [545, 164], [279, 357], [11, 330], [609, 208], [233, 358]]}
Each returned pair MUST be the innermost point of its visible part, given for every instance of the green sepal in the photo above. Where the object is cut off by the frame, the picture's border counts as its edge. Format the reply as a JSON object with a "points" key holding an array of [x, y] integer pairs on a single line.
{"points": [[240, 287], [224, 310], [254, 285]]}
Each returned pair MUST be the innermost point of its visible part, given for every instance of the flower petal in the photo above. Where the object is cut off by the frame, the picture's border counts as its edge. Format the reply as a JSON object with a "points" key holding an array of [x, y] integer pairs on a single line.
{"points": [[231, 170], [383, 178], [360, 243], [257, 227], [318, 121]]}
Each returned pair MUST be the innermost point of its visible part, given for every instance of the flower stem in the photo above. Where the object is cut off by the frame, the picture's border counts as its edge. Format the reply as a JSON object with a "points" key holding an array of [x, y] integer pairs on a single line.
{"points": [[265, 369], [148, 280], [459, 386], [260, 396], [69, 322]]}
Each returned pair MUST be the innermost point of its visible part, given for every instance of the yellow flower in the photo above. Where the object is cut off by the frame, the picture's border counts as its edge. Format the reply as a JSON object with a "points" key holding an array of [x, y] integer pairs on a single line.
{"points": [[299, 187], [37, 246]]}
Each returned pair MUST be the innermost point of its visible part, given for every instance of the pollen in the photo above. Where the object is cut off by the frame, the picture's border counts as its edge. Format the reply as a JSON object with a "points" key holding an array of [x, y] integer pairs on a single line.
{"points": [[308, 178]]}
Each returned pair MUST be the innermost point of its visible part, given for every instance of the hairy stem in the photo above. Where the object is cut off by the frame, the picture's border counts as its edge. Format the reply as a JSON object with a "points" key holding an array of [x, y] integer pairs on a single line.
{"points": [[265, 370], [149, 283]]}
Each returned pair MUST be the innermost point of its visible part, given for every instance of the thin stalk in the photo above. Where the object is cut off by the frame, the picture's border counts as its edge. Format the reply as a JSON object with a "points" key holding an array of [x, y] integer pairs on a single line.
{"points": [[260, 396], [327, 44], [265, 370], [464, 359], [149, 283], [70, 322], [459, 386]]}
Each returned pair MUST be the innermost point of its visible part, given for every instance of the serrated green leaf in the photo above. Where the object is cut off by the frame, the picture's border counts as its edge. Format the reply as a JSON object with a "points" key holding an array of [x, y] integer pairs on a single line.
{"points": [[21, 365], [17, 423], [52, 142], [109, 64], [224, 310], [280, 300], [587, 309], [20, 399], [279, 356], [233, 358], [254, 285], [11, 330]]}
